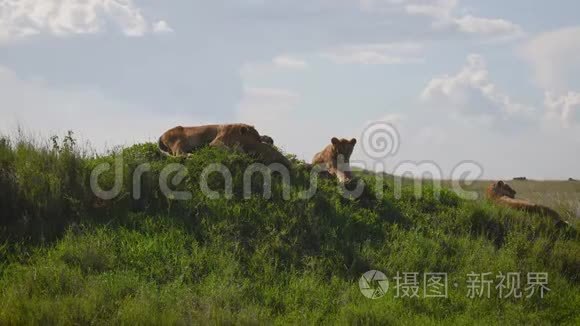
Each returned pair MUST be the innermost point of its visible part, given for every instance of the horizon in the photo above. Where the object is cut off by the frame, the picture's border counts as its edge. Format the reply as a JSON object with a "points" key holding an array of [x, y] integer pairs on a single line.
{"points": [[489, 82], [84, 146]]}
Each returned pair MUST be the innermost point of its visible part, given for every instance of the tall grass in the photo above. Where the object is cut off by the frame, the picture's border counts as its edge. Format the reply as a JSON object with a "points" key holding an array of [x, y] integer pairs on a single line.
{"points": [[68, 257]]}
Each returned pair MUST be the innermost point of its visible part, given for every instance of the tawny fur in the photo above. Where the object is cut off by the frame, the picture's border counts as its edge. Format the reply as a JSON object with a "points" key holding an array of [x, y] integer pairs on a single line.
{"points": [[502, 194], [185, 140], [265, 153], [335, 158]]}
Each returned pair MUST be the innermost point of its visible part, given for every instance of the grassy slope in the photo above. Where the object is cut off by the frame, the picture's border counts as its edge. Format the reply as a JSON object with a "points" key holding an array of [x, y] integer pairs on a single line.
{"points": [[563, 196], [251, 261]]}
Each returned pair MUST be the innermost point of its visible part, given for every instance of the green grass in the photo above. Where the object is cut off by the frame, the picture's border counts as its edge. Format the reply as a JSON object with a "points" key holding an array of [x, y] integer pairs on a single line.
{"points": [[563, 196], [68, 258]]}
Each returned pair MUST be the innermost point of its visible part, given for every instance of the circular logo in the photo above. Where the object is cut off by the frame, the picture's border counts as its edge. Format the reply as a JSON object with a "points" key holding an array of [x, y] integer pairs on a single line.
{"points": [[373, 284], [380, 140]]}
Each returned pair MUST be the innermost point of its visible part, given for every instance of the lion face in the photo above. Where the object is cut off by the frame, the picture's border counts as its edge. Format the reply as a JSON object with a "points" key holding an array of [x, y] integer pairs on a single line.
{"points": [[250, 133], [343, 148], [267, 140], [501, 188]]}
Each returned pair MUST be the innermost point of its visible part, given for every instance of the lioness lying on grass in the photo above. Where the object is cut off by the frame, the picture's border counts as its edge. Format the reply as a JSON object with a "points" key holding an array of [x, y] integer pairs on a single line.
{"points": [[501, 193], [185, 140]]}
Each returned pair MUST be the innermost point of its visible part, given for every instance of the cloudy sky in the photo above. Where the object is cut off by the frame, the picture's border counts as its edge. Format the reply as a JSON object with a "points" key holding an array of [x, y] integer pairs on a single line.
{"points": [[495, 82]]}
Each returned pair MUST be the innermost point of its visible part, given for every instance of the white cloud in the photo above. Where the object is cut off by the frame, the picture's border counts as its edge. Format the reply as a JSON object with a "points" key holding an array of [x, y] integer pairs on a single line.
{"points": [[555, 58], [500, 28], [471, 93], [441, 10], [162, 27], [392, 118], [284, 61], [24, 18], [444, 16], [564, 109], [374, 5], [377, 53], [106, 122], [278, 63]]}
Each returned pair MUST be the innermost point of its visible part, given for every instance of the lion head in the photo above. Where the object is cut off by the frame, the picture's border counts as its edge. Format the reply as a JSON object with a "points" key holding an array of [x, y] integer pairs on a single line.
{"points": [[250, 132], [267, 140], [342, 150], [238, 133], [343, 147], [500, 189]]}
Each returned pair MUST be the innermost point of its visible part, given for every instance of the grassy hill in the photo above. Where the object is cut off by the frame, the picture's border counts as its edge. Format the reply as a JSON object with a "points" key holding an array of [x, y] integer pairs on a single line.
{"points": [[67, 257], [563, 196]]}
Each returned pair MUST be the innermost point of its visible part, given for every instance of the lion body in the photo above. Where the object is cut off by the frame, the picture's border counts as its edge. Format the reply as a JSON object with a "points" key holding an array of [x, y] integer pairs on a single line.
{"points": [[502, 194], [335, 158], [265, 153], [184, 140]]}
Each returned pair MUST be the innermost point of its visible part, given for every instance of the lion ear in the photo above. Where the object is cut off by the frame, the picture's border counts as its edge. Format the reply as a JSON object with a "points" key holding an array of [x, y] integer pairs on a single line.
{"points": [[334, 141], [500, 183], [353, 141]]}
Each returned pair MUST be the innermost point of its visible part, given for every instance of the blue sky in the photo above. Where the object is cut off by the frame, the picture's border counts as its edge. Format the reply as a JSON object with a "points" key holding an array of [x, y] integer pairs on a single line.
{"points": [[495, 82]]}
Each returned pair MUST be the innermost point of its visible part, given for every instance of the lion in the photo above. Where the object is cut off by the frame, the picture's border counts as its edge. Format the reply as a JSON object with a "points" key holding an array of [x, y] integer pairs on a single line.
{"points": [[265, 153], [184, 140], [180, 141], [335, 158], [267, 140], [501, 193]]}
